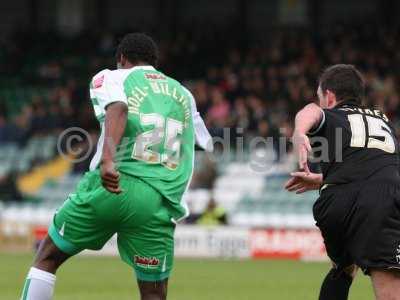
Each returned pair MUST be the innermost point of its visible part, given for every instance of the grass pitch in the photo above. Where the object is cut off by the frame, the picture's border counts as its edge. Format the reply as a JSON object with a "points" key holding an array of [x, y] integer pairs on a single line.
{"points": [[101, 278]]}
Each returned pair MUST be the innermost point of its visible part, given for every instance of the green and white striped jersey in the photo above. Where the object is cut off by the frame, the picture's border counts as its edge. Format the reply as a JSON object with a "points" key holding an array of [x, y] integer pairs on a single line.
{"points": [[162, 127]]}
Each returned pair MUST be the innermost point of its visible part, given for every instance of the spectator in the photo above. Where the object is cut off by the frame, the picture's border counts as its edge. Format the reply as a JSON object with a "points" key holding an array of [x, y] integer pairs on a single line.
{"points": [[213, 215]]}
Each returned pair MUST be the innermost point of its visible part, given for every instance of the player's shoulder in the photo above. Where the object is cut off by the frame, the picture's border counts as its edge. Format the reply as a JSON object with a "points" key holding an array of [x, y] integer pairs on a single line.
{"points": [[171, 79], [190, 97], [342, 110], [107, 76], [361, 109], [101, 73], [180, 84], [98, 79], [187, 91]]}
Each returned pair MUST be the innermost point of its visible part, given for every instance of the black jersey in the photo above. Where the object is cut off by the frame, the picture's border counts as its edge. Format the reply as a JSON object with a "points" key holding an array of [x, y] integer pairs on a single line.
{"points": [[355, 143]]}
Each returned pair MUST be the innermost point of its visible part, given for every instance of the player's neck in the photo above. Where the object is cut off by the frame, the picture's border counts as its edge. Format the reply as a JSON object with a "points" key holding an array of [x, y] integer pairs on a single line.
{"points": [[129, 65]]}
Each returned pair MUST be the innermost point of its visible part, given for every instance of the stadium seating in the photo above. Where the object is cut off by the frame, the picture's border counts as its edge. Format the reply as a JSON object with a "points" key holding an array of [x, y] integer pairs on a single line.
{"points": [[20, 159], [256, 84], [250, 198]]}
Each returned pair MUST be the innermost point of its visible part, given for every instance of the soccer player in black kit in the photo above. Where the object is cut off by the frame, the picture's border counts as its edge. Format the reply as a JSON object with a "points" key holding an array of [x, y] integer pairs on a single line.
{"points": [[358, 211]]}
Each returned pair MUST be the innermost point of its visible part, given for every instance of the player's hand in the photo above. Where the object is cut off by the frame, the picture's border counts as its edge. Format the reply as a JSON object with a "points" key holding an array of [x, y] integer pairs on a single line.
{"points": [[302, 148], [110, 177], [302, 182]]}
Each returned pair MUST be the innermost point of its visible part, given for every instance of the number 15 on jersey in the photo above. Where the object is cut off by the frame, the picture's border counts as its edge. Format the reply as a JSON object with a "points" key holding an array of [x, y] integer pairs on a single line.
{"points": [[379, 133]]}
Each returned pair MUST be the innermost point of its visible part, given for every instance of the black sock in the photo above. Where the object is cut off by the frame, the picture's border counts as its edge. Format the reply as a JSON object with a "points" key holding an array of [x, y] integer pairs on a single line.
{"points": [[336, 286]]}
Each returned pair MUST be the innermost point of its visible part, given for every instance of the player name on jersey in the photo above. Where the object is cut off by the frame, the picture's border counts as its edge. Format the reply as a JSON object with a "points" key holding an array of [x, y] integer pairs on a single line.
{"points": [[139, 94], [366, 111]]}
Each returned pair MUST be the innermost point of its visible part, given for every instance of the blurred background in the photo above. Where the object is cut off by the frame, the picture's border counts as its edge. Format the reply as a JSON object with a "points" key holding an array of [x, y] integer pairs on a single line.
{"points": [[251, 64]]}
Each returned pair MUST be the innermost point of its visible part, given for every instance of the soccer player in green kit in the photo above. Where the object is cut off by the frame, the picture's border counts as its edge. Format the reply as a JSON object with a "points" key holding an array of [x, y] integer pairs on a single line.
{"points": [[143, 165]]}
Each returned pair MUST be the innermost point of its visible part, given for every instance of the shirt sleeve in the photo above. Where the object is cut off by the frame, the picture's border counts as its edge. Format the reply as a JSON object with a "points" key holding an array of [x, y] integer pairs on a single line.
{"points": [[203, 137], [318, 128], [106, 87]]}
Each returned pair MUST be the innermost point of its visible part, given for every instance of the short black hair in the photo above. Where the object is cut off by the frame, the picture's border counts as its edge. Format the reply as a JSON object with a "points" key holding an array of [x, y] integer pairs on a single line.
{"points": [[345, 81], [138, 47]]}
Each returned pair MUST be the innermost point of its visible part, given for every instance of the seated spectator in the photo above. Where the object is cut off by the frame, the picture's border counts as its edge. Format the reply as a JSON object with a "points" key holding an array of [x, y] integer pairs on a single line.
{"points": [[213, 215]]}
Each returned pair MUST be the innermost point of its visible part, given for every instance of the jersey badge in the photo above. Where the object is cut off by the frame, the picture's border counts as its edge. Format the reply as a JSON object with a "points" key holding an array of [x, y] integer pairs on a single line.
{"points": [[98, 82]]}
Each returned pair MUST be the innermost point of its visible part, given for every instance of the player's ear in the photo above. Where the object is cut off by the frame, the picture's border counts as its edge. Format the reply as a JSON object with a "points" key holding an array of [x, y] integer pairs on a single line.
{"points": [[331, 97], [122, 60]]}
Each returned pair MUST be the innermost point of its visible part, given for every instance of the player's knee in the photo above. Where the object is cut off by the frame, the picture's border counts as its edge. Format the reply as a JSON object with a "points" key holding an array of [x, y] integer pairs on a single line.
{"points": [[49, 257], [351, 271]]}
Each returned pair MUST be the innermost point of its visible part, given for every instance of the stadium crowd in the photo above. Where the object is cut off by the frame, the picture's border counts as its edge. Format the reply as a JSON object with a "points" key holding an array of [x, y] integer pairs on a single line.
{"points": [[257, 85]]}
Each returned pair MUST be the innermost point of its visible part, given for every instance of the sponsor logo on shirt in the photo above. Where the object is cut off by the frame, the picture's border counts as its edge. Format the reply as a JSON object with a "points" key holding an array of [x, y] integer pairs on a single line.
{"points": [[98, 82], [155, 76], [146, 262]]}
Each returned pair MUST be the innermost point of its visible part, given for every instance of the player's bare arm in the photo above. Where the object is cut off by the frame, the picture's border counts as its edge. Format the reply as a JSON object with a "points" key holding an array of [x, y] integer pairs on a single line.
{"points": [[115, 122], [307, 119]]}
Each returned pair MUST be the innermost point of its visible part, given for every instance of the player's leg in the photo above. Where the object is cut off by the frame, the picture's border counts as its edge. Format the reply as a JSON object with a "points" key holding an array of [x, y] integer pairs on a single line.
{"points": [[386, 284], [156, 290], [150, 251], [331, 211], [49, 258], [375, 246], [81, 223], [39, 284], [53, 251], [336, 284], [146, 239]]}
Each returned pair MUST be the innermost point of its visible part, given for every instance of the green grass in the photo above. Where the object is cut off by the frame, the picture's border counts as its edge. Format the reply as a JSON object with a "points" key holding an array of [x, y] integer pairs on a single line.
{"points": [[101, 278]]}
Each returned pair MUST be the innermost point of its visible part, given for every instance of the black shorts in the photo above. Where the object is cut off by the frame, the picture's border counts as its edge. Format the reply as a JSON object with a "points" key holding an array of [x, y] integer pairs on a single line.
{"points": [[360, 224]]}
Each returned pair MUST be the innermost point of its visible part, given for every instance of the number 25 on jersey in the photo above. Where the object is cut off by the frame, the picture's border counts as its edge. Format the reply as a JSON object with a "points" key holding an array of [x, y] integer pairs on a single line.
{"points": [[166, 131]]}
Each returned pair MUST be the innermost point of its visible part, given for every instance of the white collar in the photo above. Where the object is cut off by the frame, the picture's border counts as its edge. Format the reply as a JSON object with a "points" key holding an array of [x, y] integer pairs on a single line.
{"points": [[143, 68]]}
